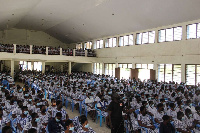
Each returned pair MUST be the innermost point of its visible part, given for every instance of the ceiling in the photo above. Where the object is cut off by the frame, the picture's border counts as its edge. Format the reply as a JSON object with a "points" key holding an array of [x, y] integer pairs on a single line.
{"points": [[81, 20]]}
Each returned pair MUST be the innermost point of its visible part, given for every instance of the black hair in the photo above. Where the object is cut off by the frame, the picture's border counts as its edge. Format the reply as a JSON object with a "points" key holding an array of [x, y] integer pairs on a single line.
{"points": [[187, 111], [165, 117], [159, 105], [197, 108], [58, 114], [143, 103], [32, 130], [34, 115], [171, 105], [83, 120], [6, 129], [68, 122], [58, 102], [179, 115], [142, 108], [179, 103], [24, 107]]}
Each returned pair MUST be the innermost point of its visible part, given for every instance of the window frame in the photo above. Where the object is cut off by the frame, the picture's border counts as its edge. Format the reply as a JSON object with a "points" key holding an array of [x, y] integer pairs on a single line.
{"points": [[141, 41]]}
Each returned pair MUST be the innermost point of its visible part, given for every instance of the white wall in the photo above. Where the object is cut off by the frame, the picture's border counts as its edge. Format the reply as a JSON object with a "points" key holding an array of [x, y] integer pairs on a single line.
{"points": [[30, 37]]}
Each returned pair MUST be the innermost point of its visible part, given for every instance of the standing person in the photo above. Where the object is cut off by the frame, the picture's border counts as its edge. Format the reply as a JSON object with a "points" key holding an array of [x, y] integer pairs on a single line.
{"points": [[115, 114], [166, 126], [56, 125]]}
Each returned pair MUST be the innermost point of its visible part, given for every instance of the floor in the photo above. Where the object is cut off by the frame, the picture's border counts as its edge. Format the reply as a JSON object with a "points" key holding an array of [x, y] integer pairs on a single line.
{"points": [[95, 126]]}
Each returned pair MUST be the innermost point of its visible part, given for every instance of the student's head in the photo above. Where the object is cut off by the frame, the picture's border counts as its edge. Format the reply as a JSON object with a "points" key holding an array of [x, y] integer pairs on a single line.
{"points": [[69, 125], [43, 108], [172, 105], [197, 108], [84, 122], [32, 130], [166, 118], [1, 112], [59, 104], [25, 110], [189, 102], [35, 117], [188, 113], [160, 107], [180, 116], [53, 101], [7, 129], [58, 116], [143, 110]]}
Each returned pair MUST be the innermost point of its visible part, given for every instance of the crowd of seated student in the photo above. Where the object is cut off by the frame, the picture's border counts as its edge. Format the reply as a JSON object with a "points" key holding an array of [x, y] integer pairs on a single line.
{"points": [[157, 102], [67, 52], [23, 49], [6, 48], [80, 52], [53, 51], [39, 49], [91, 53]]}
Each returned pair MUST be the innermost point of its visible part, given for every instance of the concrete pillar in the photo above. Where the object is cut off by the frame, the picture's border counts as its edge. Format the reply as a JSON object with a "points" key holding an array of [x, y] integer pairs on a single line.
{"points": [[74, 52], [133, 65], [69, 67], [183, 72], [43, 67], [31, 49], [47, 48], [103, 68], [116, 65], [14, 50], [134, 38], [155, 67], [184, 33], [86, 53], [12, 68], [156, 36], [32, 65], [60, 51], [117, 44]]}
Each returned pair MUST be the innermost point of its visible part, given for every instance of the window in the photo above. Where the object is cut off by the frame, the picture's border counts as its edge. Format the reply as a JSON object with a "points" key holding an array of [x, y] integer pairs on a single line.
{"points": [[88, 45], [145, 37], [79, 46], [110, 69], [169, 72], [38, 66], [99, 44], [144, 66], [191, 31], [110, 42], [192, 74], [97, 68], [126, 40], [170, 34]]}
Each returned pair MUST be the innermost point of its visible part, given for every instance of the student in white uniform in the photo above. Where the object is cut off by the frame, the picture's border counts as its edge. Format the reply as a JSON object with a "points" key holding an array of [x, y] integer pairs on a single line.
{"points": [[180, 124]]}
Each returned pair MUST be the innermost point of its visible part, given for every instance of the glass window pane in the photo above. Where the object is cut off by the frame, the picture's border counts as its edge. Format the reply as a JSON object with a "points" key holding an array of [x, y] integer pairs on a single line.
{"points": [[120, 65], [138, 66], [106, 69], [95, 68], [161, 35], [101, 43], [190, 74], [130, 39], [139, 38], [125, 40], [169, 34], [150, 66], [29, 65], [114, 42], [152, 37], [191, 31], [144, 66], [129, 65], [98, 68], [168, 72], [121, 41], [145, 38], [177, 73], [110, 42], [198, 30], [161, 72], [177, 33], [198, 75], [124, 65], [106, 43], [110, 69], [95, 45], [98, 44]]}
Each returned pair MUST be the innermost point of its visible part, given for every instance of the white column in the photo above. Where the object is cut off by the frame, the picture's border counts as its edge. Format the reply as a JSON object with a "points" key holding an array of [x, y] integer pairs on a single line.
{"points": [[14, 51], [117, 45], [47, 50], [116, 65], [155, 67], [32, 65], [31, 49], [133, 65], [12, 68], [184, 32], [60, 51], [86, 53], [74, 52], [183, 72], [43, 67], [69, 67]]}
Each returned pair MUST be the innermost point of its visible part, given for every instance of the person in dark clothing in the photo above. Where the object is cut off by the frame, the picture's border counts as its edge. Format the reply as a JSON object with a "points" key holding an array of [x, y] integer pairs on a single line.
{"points": [[56, 125], [115, 114], [166, 126]]}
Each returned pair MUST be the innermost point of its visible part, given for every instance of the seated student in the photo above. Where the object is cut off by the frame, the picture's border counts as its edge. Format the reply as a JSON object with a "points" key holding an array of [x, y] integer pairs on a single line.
{"points": [[159, 114], [151, 108], [133, 117], [53, 106], [76, 121], [190, 106], [69, 127], [85, 126], [144, 121], [180, 124], [102, 106], [171, 111], [197, 114], [166, 126], [56, 125], [61, 110], [89, 101], [6, 129], [34, 123], [189, 119], [44, 115], [32, 130], [22, 119], [3, 120]]}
